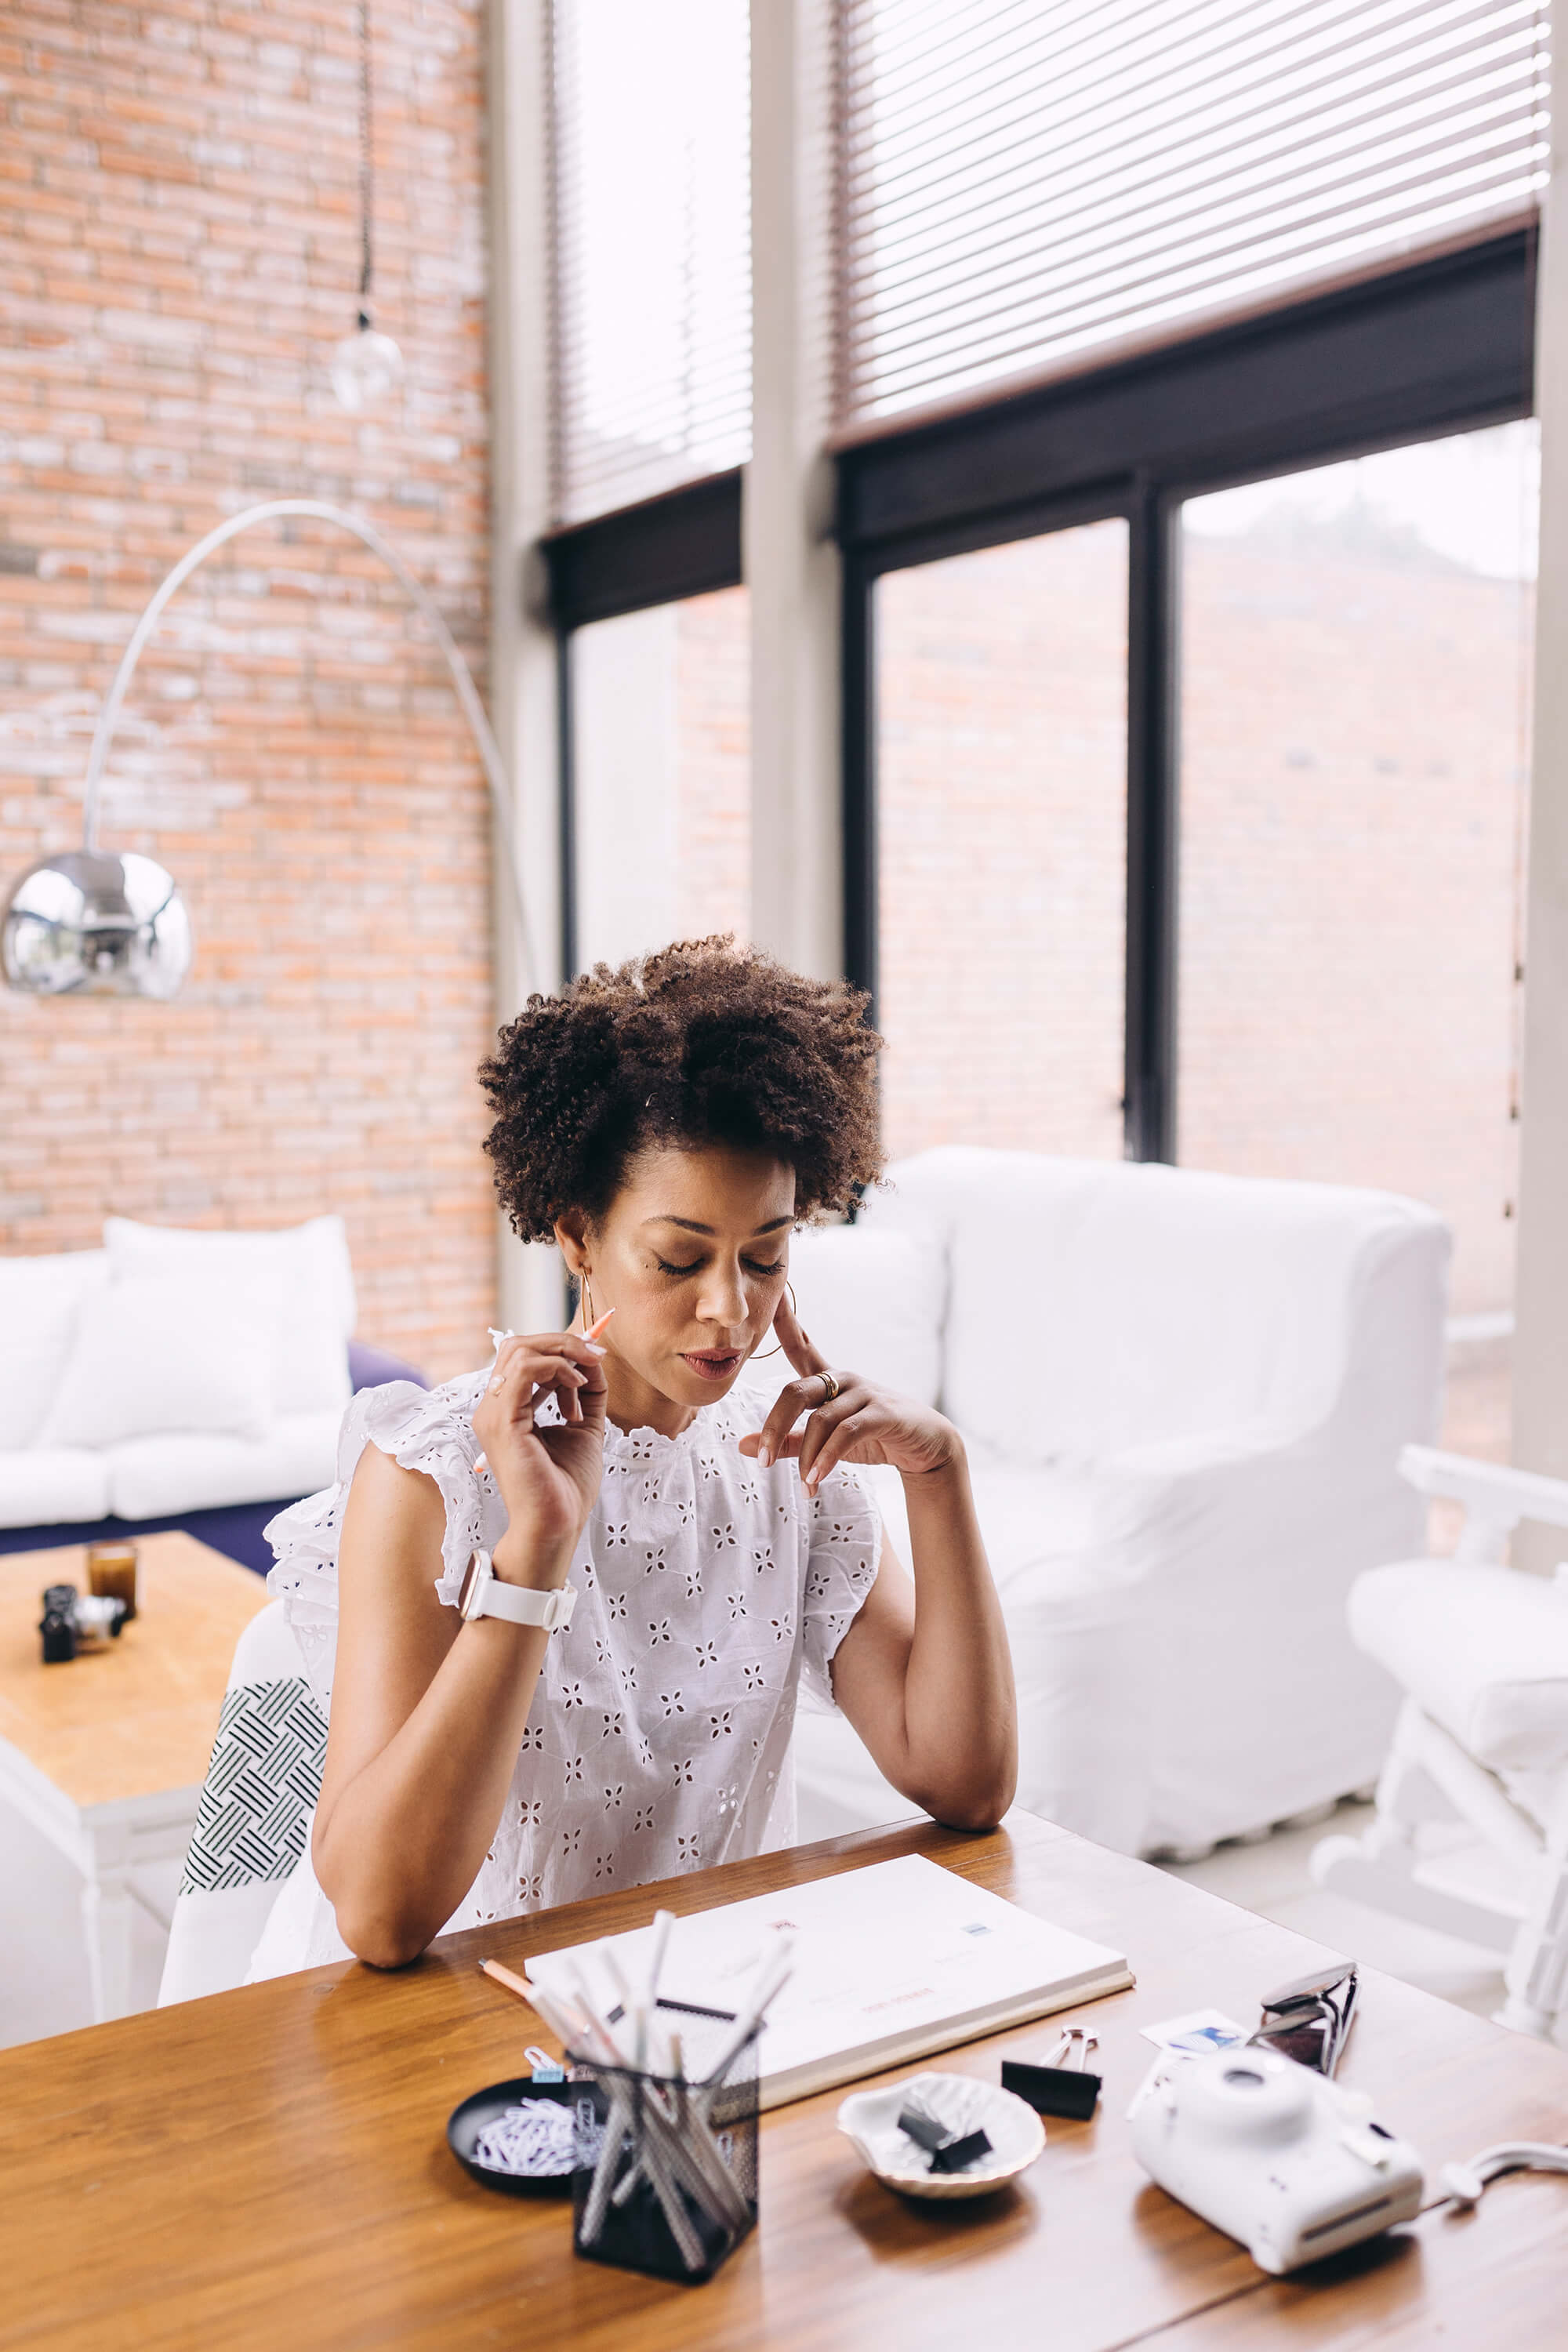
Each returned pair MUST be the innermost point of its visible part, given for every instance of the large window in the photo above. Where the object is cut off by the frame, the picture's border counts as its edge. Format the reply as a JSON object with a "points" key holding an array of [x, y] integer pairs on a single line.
{"points": [[1179, 818], [661, 776], [1354, 749], [1002, 787]]}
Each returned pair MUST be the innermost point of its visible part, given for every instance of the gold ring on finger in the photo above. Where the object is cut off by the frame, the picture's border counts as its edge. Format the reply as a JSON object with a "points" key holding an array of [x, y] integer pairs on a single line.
{"points": [[830, 1384]]}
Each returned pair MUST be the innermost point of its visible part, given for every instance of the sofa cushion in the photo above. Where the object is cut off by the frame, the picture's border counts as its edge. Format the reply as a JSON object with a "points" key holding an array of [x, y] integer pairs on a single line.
{"points": [[149, 1359], [871, 1300], [52, 1486], [150, 1476], [40, 1300], [1143, 1304], [300, 1276], [1483, 1651]]}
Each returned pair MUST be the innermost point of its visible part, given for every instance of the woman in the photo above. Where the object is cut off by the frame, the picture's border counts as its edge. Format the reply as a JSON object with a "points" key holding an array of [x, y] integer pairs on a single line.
{"points": [[668, 1125]]}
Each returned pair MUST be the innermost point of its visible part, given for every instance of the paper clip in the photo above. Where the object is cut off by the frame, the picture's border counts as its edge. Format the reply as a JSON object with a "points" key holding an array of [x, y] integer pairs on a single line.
{"points": [[546, 2068], [1064, 2085]]}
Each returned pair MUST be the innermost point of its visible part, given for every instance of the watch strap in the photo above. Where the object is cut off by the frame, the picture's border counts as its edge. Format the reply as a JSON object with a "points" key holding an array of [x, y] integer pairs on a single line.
{"points": [[484, 1594]]}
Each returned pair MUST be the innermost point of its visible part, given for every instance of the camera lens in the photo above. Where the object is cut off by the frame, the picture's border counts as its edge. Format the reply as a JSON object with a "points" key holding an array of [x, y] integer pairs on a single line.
{"points": [[1243, 2078]]}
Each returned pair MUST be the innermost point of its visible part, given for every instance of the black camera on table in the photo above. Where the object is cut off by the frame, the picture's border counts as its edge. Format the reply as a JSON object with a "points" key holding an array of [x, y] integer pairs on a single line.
{"points": [[72, 1619]]}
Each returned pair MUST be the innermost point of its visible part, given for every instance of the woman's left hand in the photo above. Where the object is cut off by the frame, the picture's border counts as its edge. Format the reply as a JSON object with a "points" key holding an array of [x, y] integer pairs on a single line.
{"points": [[860, 1424]]}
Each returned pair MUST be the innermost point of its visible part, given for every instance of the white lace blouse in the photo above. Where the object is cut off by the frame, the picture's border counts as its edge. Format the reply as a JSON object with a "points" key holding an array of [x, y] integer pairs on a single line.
{"points": [[659, 1737]]}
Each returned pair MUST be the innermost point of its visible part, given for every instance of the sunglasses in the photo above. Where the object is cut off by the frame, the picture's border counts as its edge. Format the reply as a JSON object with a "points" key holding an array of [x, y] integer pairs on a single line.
{"points": [[1310, 2019]]}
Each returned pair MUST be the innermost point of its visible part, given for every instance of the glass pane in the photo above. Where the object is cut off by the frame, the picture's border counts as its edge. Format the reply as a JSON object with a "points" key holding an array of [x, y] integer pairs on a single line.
{"points": [[1002, 823], [653, 247], [1355, 723], [662, 776]]}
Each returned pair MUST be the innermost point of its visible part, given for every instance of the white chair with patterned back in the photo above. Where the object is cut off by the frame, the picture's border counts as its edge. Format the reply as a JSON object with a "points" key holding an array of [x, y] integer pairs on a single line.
{"points": [[255, 1813], [1481, 1652]]}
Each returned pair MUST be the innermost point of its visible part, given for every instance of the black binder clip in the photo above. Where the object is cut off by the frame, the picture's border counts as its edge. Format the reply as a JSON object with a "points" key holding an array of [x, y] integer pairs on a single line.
{"points": [[1065, 2087], [947, 2151]]}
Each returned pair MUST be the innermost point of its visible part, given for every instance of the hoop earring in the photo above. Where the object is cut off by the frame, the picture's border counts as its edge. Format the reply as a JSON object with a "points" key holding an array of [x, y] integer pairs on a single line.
{"points": [[794, 1310]]}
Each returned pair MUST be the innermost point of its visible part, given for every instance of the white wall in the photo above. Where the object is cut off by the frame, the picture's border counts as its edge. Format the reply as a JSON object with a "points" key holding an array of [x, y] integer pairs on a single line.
{"points": [[791, 562], [1541, 1335], [521, 682]]}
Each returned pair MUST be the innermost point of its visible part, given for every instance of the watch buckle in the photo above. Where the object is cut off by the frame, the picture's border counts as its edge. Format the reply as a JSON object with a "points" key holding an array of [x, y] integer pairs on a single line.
{"points": [[476, 1576]]}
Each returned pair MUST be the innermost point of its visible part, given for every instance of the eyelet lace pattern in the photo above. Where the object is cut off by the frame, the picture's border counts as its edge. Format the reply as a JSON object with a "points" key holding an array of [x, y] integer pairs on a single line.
{"points": [[710, 1591]]}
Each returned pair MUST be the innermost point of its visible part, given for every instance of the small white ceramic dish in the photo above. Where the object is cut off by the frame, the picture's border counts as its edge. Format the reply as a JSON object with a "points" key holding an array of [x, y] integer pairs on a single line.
{"points": [[871, 2120]]}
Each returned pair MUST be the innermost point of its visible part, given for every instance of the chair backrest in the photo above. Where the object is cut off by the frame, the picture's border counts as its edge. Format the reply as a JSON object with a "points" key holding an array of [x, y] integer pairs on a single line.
{"points": [[254, 1815], [1094, 1306]]}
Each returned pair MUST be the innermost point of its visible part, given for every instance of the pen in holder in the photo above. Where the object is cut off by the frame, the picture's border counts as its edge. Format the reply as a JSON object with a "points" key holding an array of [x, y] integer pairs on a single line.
{"points": [[667, 2182]]}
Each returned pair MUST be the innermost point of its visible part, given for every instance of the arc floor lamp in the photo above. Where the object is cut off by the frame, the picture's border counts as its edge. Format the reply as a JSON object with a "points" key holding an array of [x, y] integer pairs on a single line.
{"points": [[90, 921]]}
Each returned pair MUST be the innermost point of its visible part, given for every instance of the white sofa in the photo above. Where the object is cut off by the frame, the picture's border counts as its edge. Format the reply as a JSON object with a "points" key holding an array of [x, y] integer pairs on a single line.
{"points": [[1183, 1397], [171, 1371]]}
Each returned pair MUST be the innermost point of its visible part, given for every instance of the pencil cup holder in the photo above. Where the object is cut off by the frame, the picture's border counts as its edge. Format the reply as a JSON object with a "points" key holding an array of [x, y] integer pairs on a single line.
{"points": [[667, 2179]]}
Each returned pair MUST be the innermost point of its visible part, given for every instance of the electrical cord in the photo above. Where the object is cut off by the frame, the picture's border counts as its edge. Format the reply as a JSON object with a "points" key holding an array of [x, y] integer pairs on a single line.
{"points": [[1464, 2182], [366, 167]]}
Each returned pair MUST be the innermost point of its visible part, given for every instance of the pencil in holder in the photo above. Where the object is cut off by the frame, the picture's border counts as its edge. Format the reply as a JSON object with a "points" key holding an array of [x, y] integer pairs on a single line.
{"points": [[665, 2177]]}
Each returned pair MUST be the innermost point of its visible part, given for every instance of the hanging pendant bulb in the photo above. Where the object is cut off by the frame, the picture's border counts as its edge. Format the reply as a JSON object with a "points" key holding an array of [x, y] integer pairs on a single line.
{"points": [[366, 365]]}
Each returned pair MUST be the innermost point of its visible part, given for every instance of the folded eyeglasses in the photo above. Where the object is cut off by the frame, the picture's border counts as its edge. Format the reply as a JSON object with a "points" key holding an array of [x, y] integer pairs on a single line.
{"points": [[1310, 2019]]}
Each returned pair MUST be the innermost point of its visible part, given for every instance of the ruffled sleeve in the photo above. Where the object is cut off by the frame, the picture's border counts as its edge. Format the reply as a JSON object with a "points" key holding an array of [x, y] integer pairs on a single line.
{"points": [[423, 1429], [844, 1551]]}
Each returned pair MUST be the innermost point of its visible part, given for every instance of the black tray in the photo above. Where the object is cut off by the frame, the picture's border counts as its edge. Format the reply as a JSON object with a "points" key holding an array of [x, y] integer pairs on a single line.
{"points": [[464, 2124]]}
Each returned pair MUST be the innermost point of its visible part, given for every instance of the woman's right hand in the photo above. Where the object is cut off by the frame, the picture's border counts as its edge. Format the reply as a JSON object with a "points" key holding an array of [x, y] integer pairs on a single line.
{"points": [[549, 1477]]}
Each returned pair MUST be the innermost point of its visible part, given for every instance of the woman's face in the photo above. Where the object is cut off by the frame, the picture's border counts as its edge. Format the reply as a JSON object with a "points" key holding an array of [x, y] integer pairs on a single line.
{"points": [[692, 1256]]}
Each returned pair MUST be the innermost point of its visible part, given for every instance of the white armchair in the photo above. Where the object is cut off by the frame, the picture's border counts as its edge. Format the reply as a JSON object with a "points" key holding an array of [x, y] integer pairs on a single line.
{"points": [[1184, 1396], [1480, 1653]]}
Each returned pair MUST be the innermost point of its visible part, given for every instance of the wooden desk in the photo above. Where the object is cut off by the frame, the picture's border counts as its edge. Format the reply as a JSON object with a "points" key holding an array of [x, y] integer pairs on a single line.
{"points": [[107, 1755], [269, 2166]]}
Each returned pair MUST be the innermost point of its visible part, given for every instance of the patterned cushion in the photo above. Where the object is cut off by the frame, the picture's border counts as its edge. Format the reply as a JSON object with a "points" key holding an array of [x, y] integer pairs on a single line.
{"points": [[261, 1786]]}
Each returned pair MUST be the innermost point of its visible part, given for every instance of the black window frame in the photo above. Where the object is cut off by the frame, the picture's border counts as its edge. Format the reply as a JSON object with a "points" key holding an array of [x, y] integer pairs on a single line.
{"points": [[1442, 345], [1439, 346]]}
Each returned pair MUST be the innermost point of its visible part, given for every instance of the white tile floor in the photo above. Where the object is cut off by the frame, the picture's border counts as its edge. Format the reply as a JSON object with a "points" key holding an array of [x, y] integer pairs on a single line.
{"points": [[42, 1970], [1272, 1878]]}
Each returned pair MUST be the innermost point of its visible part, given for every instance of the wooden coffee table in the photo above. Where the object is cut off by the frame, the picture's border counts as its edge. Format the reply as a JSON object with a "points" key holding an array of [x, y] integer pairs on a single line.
{"points": [[107, 1755]]}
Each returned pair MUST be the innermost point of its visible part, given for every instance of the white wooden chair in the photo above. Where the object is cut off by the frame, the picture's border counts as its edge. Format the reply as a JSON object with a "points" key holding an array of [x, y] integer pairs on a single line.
{"points": [[1481, 1652], [255, 1813]]}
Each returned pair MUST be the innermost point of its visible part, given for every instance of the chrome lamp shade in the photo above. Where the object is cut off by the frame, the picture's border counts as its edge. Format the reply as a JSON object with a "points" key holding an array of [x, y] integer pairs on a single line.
{"points": [[90, 922]]}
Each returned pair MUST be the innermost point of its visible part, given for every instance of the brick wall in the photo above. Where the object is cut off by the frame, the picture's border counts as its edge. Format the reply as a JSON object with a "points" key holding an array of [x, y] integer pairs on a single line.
{"points": [[1355, 743], [1002, 788], [178, 255], [713, 764]]}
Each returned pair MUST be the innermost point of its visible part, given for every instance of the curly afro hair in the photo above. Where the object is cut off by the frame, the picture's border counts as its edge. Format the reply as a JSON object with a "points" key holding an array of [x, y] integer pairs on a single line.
{"points": [[704, 1043]]}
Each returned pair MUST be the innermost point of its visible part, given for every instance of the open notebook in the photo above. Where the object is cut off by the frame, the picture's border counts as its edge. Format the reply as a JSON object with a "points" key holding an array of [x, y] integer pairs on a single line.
{"points": [[891, 1962]]}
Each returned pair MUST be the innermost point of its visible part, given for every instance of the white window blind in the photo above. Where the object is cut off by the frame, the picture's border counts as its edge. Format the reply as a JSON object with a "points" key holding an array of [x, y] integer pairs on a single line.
{"points": [[1026, 183], [652, 246]]}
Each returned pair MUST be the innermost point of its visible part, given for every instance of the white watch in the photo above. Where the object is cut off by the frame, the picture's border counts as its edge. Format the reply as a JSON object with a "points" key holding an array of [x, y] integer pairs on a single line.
{"points": [[484, 1595]]}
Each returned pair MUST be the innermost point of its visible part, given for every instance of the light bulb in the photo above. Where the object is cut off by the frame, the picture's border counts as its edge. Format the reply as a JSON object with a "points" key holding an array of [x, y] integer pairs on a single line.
{"points": [[365, 367]]}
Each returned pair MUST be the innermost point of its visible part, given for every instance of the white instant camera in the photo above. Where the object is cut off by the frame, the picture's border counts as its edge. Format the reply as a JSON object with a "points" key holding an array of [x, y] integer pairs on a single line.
{"points": [[1272, 2153]]}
